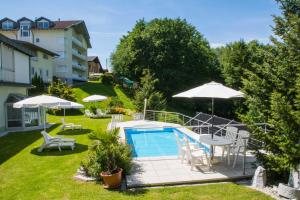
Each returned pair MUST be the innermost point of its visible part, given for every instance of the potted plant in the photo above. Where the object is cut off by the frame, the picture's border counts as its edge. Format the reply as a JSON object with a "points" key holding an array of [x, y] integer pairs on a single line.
{"points": [[108, 158], [112, 174]]}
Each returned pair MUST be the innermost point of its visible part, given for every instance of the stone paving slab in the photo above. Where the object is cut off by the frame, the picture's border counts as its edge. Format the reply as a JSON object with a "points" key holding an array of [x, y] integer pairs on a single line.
{"points": [[170, 171]]}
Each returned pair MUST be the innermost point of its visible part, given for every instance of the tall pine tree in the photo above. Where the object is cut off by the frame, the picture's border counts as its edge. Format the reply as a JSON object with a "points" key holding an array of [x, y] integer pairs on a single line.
{"points": [[273, 93]]}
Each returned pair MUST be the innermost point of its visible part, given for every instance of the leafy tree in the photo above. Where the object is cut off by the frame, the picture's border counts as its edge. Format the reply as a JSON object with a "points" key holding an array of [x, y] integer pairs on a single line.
{"points": [[38, 82], [147, 91], [61, 89], [173, 50], [273, 93], [236, 57]]}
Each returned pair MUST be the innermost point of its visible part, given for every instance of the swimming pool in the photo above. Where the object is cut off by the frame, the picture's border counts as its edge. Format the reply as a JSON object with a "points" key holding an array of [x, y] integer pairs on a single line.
{"points": [[154, 142]]}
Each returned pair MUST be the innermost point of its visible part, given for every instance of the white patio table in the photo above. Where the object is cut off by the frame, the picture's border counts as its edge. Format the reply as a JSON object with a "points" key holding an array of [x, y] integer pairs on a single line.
{"points": [[216, 141]]}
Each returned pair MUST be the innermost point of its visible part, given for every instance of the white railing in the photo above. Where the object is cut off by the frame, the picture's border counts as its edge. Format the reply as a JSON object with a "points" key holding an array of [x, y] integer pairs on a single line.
{"points": [[77, 42], [79, 66], [194, 124], [78, 54]]}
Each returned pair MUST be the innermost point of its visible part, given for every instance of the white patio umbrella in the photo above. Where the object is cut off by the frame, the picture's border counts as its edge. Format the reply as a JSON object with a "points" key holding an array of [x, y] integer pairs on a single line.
{"points": [[211, 90], [94, 98], [73, 105], [41, 101]]}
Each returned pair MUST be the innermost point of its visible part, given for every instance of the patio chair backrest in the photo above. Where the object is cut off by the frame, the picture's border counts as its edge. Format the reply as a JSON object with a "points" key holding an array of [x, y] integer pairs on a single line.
{"points": [[46, 136], [188, 148], [242, 138], [231, 133], [99, 112], [178, 140]]}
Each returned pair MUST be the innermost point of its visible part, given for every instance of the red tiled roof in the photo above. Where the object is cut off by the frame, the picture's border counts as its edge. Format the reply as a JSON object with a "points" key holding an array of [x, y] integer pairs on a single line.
{"points": [[64, 24]]}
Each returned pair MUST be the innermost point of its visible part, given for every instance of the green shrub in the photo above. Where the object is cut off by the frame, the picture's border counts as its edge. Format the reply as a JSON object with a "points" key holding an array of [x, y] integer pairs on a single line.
{"points": [[156, 101], [107, 154], [107, 79], [117, 110], [38, 82], [62, 90], [115, 102]]}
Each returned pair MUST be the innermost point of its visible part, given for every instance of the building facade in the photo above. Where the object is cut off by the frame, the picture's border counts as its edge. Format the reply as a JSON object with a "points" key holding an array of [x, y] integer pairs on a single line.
{"points": [[69, 39], [14, 78], [42, 63]]}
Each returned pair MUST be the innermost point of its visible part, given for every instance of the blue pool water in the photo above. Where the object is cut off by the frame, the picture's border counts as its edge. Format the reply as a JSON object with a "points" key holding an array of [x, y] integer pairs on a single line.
{"points": [[154, 142]]}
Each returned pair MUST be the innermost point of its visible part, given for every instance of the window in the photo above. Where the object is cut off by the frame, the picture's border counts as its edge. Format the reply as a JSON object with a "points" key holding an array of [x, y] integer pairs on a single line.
{"points": [[7, 25], [37, 40], [47, 73], [25, 29], [32, 71], [45, 56], [43, 25]]}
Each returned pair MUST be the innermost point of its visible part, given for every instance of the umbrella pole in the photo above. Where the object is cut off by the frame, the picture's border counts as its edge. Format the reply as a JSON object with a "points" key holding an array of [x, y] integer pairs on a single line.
{"points": [[64, 113], [212, 115], [44, 118]]}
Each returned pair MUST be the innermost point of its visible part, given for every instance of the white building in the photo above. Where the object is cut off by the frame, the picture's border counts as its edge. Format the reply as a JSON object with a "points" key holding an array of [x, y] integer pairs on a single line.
{"points": [[69, 39], [14, 82]]}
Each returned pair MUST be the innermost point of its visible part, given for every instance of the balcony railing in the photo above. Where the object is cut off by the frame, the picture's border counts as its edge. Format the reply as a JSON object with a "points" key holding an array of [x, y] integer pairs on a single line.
{"points": [[7, 75], [79, 55], [79, 66], [78, 77], [77, 42]]}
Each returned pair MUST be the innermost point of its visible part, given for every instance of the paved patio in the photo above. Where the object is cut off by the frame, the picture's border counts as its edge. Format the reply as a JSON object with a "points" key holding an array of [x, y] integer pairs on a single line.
{"points": [[170, 171]]}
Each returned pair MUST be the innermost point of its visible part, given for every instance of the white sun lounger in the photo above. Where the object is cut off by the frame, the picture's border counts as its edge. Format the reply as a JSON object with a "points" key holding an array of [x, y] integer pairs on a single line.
{"points": [[88, 113], [69, 125], [56, 142], [101, 114]]}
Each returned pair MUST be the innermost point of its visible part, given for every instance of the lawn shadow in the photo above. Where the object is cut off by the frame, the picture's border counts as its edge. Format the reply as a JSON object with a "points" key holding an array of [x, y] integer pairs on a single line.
{"points": [[98, 88], [135, 192], [74, 132], [12, 143], [65, 151]]}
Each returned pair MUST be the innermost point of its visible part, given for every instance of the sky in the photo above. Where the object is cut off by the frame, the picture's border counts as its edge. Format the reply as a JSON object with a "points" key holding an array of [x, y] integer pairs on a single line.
{"points": [[219, 21]]}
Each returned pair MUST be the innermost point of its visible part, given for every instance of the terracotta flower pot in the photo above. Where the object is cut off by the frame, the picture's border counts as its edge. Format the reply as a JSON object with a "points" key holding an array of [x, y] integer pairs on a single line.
{"points": [[112, 180]]}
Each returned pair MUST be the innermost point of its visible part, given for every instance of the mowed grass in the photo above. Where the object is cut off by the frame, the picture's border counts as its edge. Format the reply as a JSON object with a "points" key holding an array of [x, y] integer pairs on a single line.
{"points": [[27, 174]]}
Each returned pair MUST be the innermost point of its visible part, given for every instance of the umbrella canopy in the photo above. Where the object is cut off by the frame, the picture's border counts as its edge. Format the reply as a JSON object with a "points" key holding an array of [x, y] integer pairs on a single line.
{"points": [[211, 90], [41, 100], [94, 98], [73, 105], [70, 106]]}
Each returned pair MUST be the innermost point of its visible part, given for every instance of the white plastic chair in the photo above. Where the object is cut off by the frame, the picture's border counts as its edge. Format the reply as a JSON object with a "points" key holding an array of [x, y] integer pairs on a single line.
{"points": [[197, 156], [241, 145], [231, 134], [69, 125], [58, 142]]}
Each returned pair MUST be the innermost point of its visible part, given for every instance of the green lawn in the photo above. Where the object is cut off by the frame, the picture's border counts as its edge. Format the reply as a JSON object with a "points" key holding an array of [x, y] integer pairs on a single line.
{"points": [[27, 174]]}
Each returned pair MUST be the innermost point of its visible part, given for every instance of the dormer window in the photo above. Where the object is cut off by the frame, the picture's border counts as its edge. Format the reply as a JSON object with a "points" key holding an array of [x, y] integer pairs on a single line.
{"points": [[7, 25], [25, 29], [43, 24]]}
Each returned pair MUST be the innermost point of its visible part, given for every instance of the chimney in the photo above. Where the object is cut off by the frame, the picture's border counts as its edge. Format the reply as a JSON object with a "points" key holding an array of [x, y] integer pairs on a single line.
{"points": [[58, 19]]}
